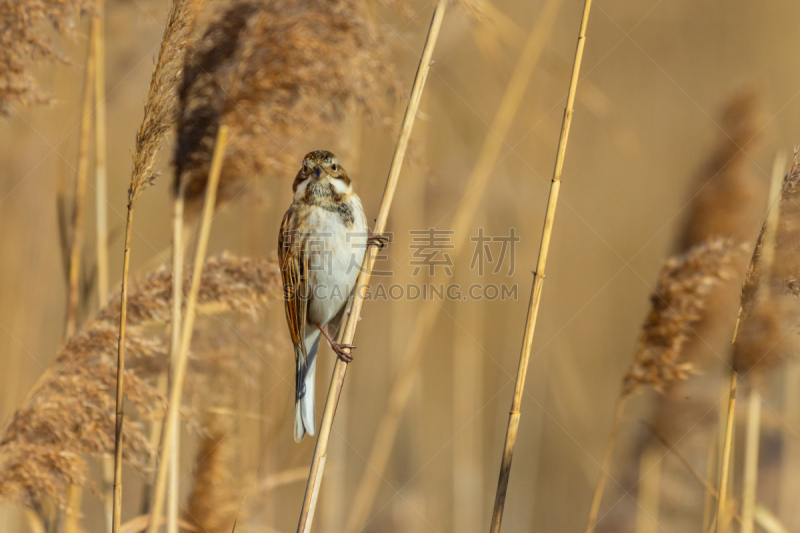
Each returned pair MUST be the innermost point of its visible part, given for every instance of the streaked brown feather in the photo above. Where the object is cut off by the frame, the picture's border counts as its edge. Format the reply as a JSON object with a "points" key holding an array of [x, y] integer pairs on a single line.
{"points": [[294, 283]]}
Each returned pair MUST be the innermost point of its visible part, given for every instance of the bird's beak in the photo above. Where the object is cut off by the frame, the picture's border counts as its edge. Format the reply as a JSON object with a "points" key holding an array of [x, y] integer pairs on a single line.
{"points": [[318, 172]]}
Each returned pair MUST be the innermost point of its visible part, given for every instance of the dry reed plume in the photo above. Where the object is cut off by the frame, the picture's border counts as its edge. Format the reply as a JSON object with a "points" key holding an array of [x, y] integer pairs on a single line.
{"points": [[677, 301], [677, 304], [228, 284], [158, 117], [727, 201], [782, 276], [24, 39], [161, 102], [758, 289], [769, 315], [43, 451], [270, 69]]}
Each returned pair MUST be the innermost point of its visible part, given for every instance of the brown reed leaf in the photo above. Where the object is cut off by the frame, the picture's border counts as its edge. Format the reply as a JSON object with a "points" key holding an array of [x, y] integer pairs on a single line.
{"points": [[71, 415], [271, 70], [159, 107], [25, 39], [677, 302]]}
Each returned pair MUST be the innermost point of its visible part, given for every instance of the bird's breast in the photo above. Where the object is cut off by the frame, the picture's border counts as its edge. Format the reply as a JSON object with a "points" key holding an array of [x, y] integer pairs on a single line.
{"points": [[335, 251]]}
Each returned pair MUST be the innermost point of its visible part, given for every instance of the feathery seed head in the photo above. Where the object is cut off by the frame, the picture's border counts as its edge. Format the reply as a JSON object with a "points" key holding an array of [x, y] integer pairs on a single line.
{"points": [[24, 40], [43, 451], [677, 304], [771, 309], [159, 108], [273, 70]]}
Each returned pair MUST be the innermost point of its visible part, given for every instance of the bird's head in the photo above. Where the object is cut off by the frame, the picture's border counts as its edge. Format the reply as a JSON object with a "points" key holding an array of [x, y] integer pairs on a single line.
{"points": [[321, 176]]}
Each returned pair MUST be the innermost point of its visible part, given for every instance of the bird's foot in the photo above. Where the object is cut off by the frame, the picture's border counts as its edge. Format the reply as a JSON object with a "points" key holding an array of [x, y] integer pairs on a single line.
{"points": [[380, 240], [338, 348], [340, 351]]}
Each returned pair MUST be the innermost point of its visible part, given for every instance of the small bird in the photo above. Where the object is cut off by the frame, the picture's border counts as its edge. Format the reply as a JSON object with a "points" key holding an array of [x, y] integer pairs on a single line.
{"points": [[322, 242]]}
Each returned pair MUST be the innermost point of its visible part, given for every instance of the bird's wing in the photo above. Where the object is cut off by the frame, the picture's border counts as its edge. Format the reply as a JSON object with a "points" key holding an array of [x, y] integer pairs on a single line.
{"points": [[294, 269]]}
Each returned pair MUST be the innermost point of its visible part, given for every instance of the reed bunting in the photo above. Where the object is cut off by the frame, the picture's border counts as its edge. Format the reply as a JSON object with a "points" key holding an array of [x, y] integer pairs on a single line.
{"points": [[322, 242]]}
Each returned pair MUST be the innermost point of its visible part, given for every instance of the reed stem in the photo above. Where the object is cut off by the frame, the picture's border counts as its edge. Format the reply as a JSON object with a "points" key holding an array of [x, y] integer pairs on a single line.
{"points": [[340, 368], [464, 217], [101, 210], [101, 188], [601, 478], [536, 292], [123, 318], [767, 257], [711, 494], [790, 481], [80, 186], [751, 461], [726, 454], [176, 387], [175, 346], [649, 491]]}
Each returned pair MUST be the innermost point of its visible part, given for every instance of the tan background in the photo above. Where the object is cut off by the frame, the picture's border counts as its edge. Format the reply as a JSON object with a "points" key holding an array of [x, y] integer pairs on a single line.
{"points": [[655, 75]]}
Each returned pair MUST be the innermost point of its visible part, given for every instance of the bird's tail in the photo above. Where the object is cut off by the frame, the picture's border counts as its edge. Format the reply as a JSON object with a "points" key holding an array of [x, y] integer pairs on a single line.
{"points": [[304, 417]]}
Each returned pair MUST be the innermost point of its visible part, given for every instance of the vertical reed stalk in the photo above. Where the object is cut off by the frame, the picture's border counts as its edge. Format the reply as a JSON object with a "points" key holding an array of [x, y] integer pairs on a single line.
{"points": [[726, 453], [536, 292], [156, 429], [108, 491], [601, 478], [767, 256], [158, 113], [340, 368], [465, 214], [101, 210], [101, 188], [72, 518], [123, 318], [751, 462], [790, 481], [175, 346], [710, 495], [176, 388], [337, 499], [649, 490], [80, 186], [34, 521]]}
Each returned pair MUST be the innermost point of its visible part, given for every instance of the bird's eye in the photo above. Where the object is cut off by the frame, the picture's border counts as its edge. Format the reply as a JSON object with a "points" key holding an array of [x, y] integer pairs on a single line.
{"points": [[333, 167]]}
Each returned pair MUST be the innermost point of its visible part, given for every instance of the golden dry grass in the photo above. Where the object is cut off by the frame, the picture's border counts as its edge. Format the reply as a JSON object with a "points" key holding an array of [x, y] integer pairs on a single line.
{"points": [[25, 40], [271, 71], [652, 172], [677, 304], [70, 415]]}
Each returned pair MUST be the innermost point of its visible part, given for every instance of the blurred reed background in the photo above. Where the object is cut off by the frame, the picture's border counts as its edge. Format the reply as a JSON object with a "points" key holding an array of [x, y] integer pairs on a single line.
{"points": [[682, 111]]}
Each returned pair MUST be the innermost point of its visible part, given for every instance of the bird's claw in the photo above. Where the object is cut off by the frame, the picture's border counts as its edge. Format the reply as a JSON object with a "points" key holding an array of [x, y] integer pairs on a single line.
{"points": [[379, 240], [340, 351]]}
